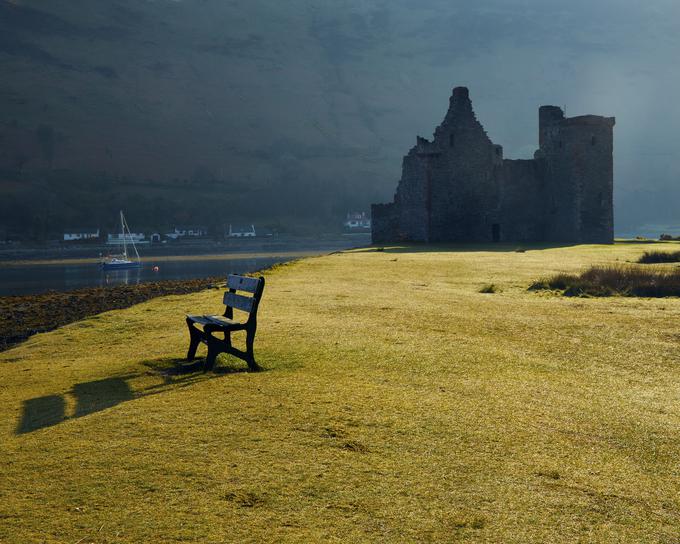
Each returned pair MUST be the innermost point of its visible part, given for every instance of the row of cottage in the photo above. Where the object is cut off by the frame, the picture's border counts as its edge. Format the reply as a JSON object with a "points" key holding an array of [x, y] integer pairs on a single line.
{"points": [[354, 222], [192, 232]]}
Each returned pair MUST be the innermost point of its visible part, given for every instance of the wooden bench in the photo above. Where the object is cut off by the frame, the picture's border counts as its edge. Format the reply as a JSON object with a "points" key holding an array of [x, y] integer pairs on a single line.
{"points": [[205, 328]]}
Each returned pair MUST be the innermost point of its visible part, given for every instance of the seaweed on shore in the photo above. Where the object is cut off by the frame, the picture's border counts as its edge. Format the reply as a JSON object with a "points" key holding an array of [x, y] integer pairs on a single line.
{"points": [[26, 315]]}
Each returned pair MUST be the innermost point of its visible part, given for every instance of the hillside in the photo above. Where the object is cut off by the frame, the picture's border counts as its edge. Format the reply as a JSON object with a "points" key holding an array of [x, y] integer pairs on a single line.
{"points": [[306, 105], [185, 91], [405, 406]]}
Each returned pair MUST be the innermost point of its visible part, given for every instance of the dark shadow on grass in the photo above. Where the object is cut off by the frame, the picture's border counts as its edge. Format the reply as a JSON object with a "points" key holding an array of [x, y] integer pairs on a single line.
{"points": [[171, 367], [98, 395], [645, 241], [465, 248], [41, 412]]}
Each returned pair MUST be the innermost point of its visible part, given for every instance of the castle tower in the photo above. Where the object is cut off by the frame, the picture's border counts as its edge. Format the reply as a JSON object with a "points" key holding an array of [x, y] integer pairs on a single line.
{"points": [[577, 163]]}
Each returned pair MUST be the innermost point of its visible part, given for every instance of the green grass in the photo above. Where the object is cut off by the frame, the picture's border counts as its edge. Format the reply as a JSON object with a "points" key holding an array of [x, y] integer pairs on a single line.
{"points": [[398, 404], [610, 280]]}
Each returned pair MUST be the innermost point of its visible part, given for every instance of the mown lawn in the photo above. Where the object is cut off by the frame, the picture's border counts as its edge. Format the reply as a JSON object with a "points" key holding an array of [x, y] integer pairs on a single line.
{"points": [[399, 404]]}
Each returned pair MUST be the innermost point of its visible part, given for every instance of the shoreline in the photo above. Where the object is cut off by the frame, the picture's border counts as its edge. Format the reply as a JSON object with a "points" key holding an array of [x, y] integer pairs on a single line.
{"points": [[22, 316], [84, 253], [166, 258]]}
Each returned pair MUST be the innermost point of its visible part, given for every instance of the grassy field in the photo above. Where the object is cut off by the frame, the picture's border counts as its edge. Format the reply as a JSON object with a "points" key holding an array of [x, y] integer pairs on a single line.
{"points": [[399, 404]]}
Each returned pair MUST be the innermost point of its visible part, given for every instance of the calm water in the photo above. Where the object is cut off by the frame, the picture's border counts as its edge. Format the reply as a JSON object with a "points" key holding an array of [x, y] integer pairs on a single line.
{"points": [[30, 279]]}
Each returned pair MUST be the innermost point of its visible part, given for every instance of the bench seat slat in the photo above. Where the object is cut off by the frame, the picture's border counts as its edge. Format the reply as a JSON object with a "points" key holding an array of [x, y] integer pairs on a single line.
{"points": [[213, 319], [238, 301], [242, 283]]}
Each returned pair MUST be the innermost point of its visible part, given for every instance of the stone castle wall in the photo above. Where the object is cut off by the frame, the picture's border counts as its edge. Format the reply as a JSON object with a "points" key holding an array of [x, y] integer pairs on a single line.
{"points": [[459, 188]]}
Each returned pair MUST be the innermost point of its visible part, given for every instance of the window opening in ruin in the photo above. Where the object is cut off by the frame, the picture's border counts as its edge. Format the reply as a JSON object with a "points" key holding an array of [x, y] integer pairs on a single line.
{"points": [[496, 232], [498, 151], [593, 140], [560, 144], [452, 140]]}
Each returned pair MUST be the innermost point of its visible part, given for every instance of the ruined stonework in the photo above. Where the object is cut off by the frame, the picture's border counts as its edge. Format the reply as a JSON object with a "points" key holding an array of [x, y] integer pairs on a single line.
{"points": [[459, 188]]}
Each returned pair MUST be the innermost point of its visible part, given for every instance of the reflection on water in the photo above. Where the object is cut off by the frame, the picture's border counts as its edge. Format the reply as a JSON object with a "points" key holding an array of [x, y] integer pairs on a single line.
{"points": [[25, 280], [129, 276]]}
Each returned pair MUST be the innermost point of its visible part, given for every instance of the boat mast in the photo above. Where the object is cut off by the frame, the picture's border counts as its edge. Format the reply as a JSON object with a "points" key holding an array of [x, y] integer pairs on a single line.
{"points": [[122, 231], [125, 226]]}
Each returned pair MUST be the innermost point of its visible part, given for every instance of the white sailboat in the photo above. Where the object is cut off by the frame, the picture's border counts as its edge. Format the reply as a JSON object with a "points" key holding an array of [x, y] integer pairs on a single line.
{"points": [[123, 261]]}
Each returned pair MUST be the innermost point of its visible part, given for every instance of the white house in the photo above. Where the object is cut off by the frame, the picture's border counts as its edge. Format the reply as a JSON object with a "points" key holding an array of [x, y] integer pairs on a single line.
{"points": [[181, 232], [118, 238], [357, 221], [237, 231], [80, 234]]}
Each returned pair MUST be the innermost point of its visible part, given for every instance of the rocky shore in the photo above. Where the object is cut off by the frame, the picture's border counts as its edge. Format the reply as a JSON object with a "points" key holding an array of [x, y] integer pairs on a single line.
{"points": [[23, 316]]}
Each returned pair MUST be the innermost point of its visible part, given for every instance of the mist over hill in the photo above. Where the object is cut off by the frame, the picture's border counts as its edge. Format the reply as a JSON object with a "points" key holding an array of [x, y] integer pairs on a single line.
{"points": [[287, 112]]}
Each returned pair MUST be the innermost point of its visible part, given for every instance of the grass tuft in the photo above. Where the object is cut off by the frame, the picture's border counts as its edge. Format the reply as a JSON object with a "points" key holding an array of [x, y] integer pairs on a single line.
{"points": [[551, 474], [653, 257], [490, 288], [245, 499], [604, 281], [476, 522], [333, 432], [354, 445]]}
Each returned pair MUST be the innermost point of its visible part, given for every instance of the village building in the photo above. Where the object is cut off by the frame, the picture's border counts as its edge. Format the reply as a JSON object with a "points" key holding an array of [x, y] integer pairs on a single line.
{"points": [[187, 232], [240, 231], [75, 234], [119, 238], [357, 221], [459, 188]]}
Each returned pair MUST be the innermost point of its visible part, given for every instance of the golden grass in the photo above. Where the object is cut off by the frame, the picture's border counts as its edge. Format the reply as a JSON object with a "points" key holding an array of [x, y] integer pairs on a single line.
{"points": [[399, 405]]}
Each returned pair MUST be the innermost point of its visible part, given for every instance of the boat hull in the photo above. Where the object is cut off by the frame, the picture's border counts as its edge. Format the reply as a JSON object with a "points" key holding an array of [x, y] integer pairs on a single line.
{"points": [[120, 266]]}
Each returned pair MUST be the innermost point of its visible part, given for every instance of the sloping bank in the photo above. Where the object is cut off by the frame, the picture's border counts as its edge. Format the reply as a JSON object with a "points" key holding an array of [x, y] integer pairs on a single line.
{"points": [[26, 315]]}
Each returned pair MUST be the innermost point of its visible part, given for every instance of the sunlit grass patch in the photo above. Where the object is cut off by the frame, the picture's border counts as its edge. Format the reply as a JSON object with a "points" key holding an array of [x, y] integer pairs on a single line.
{"points": [[604, 281]]}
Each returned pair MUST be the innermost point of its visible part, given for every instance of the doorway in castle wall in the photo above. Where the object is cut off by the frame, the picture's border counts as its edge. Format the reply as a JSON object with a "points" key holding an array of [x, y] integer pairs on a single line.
{"points": [[496, 232]]}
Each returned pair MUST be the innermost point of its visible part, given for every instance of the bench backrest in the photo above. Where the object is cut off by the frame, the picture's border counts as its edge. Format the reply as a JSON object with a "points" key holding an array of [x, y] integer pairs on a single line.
{"points": [[241, 302]]}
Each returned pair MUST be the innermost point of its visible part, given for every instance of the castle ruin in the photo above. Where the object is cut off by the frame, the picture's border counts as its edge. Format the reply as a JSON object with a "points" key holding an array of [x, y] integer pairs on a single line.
{"points": [[459, 188]]}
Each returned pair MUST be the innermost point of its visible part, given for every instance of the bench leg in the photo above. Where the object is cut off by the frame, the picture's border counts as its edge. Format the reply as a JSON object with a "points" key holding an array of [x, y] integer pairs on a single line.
{"points": [[194, 340], [213, 351], [250, 341]]}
